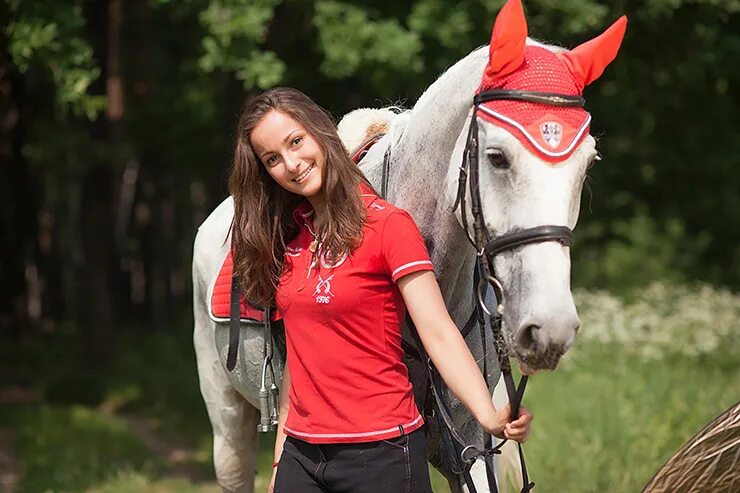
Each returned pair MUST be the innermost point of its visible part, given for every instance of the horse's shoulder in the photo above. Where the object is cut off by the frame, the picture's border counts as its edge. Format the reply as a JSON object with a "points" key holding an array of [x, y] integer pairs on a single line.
{"points": [[212, 239], [218, 220], [380, 210]]}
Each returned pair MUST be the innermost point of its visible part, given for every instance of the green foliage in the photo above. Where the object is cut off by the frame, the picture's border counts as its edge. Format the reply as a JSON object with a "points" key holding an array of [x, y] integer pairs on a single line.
{"points": [[663, 200], [352, 41], [662, 111], [234, 31], [156, 375], [558, 22], [451, 27], [636, 251], [49, 35]]}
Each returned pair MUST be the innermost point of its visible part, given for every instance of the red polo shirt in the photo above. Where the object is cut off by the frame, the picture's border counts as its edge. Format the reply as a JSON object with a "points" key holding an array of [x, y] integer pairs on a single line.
{"points": [[343, 329]]}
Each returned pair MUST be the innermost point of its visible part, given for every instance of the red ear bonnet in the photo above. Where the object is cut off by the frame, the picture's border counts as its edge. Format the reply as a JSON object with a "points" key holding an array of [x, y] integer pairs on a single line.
{"points": [[551, 132], [506, 50], [588, 61]]}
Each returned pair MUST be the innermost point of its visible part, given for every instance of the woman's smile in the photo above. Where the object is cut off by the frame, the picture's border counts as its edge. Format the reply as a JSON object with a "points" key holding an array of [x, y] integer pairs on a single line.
{"points": [[302, 177]]}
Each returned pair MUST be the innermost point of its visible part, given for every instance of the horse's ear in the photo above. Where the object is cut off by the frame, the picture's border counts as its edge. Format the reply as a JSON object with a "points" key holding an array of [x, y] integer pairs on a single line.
{"points": [[507, 40], [588, 61]]}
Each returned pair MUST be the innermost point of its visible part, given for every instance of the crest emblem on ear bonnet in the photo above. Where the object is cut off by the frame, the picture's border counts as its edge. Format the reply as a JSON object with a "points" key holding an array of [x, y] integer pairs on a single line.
{"points": [[552, 132]]}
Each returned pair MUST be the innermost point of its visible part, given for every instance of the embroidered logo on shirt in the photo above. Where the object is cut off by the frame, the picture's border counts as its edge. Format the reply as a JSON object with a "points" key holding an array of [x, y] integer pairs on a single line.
{"points": [[323, 290], [293, 251], [377, 207], [326, 265]]}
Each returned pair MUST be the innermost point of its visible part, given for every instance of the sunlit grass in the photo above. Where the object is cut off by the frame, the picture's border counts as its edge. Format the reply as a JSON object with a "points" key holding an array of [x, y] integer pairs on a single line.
{"points": [[606, 420], [133, 482], [69, 448]]}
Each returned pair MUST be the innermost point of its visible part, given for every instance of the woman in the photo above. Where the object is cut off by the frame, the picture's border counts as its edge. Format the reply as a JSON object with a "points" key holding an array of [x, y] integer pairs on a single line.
{"points": [[342, 266]]}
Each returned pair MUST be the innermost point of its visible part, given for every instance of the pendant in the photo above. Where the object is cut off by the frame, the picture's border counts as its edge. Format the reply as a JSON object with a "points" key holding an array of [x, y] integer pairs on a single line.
{"points": [[313, 246]]}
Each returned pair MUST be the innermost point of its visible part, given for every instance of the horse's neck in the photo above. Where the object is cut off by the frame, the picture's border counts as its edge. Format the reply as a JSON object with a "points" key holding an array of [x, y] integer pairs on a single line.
{"points": [[419, 169], [454, 258], [421, 156]]}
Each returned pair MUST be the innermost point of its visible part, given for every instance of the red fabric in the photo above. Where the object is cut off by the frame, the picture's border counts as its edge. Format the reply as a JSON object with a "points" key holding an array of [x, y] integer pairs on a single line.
{"points": [[506, 50], [542, 71], [550, 132], [343, 329], [588, 61], [221, 297]]}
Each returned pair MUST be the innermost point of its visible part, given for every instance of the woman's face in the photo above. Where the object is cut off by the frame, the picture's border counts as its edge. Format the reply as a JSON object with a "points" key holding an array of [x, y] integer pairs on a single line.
{"points": [[290, 154]]}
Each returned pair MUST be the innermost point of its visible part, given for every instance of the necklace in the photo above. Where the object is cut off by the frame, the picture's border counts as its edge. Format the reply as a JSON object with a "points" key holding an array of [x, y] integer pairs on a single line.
{"points": [[316, 241]]}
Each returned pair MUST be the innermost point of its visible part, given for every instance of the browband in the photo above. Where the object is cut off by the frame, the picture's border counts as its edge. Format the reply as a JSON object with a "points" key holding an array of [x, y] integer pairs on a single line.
{"points": [[530, 97]]}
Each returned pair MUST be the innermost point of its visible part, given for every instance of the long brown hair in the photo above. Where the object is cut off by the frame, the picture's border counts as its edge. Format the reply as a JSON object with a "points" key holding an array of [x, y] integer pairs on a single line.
{"points": [[263, 222]]}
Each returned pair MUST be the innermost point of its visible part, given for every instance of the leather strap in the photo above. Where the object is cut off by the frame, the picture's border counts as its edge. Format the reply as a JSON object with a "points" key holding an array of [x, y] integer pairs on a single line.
{"points": [[563, 234], [548, 98], [386, 172], [234, 319]]}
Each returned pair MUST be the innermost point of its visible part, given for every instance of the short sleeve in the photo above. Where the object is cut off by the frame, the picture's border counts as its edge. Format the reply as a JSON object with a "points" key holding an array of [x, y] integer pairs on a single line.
{"points": [[402, 247]]}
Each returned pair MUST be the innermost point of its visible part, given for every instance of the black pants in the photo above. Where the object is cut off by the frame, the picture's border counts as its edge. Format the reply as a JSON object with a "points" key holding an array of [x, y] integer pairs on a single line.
{"points": [[397, 465]]}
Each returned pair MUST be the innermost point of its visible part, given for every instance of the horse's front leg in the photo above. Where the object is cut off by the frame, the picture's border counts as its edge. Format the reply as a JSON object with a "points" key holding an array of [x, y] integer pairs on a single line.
{"points": [[233, 419], [235, 449], [477, 474]]}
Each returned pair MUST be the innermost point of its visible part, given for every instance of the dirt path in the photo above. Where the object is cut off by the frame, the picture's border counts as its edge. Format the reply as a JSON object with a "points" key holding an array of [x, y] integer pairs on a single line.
{"points": [[9, 465], [182, 459]]}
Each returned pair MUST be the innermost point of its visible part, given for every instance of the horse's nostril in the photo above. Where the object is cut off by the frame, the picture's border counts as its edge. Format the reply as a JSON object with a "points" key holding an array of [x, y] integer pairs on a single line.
{"points": [[526, 338]]}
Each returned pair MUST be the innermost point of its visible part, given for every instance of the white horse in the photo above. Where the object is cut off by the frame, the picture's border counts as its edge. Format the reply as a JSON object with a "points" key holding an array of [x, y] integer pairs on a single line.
{"points": [[519, 189]]}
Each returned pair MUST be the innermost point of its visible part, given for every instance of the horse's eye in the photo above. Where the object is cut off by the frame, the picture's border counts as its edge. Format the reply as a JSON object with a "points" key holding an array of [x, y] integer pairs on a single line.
{"points": [[498, 159]]}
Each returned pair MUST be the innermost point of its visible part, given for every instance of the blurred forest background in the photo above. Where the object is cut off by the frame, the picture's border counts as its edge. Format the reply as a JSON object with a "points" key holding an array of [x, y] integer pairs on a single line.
{"points": [[117, 126]]}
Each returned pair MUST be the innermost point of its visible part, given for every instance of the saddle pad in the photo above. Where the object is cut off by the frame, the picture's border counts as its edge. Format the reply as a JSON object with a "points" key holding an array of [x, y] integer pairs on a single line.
{"points": [[221, 298]]}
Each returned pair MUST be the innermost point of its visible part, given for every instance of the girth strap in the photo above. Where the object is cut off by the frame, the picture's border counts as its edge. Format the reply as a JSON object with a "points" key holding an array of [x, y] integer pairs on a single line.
{"points": [[234, 316]]}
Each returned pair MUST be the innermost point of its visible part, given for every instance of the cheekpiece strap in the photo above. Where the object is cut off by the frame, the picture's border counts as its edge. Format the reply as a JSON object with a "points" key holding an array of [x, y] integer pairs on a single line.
{"points": [[530, 97]]}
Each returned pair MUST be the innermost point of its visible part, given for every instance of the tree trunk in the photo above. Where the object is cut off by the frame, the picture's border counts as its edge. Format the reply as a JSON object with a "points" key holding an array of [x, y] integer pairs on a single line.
{"points": [[17, 200], [99, 193]]}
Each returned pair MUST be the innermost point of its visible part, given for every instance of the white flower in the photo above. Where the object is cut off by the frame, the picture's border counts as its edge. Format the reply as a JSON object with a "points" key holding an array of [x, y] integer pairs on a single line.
{"points": [[692, 320]]}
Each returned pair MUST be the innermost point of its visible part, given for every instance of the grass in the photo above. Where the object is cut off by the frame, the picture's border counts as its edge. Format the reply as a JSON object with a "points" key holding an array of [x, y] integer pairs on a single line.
{"points": [[70, 448], [606, 420]]}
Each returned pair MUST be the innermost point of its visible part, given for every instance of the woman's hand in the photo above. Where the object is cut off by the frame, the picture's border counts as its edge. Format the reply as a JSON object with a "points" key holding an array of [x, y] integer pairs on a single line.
{"points": [[271, 486], [501, 425]]}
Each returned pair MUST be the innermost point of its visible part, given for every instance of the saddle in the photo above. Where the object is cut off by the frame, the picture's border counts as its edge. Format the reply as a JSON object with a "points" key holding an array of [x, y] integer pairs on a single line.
{"points": [[220, 299]]}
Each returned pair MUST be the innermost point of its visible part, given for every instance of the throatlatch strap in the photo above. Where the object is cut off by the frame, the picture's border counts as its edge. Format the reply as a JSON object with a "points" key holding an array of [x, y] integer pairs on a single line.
{"points": [[234, 314]]}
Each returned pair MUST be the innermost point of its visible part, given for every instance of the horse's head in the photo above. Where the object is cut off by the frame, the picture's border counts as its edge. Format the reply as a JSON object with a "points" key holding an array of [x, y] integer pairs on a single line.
{"points": [[533, 152]]}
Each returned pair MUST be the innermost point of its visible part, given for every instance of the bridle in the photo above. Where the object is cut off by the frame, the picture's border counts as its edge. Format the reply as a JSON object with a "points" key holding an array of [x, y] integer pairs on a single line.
{"points": [[487, 246]]}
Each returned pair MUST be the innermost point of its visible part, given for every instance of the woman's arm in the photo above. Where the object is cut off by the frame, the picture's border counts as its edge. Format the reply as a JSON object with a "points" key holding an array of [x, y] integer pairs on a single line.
{"points": [[280, 437], [449, 353]]}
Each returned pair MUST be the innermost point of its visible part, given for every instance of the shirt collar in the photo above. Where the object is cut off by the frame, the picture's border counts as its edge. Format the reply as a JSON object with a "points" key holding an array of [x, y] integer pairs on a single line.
{"points": [[368, 196], [304, 210]]}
